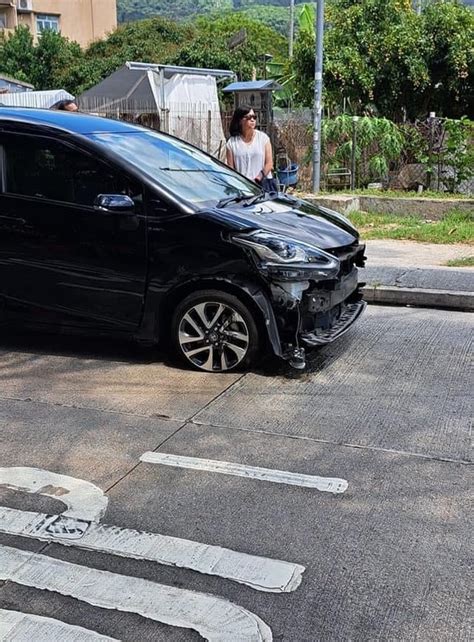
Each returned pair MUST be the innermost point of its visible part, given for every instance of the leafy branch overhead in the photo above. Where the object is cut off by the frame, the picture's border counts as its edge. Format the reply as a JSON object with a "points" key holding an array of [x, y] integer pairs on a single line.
{"points": [[381, 57]]}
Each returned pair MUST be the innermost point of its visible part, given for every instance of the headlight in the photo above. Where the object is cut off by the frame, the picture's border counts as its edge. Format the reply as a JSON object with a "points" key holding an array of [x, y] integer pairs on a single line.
{"points": [[274, 250]]}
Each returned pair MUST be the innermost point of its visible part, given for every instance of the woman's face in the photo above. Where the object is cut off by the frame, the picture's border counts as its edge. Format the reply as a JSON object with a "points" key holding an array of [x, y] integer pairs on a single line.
{"points": [[248, 122]]}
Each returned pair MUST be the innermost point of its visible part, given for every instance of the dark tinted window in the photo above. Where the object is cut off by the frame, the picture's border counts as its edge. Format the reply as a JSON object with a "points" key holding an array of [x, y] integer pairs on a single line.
{"points": [[46, 169]]}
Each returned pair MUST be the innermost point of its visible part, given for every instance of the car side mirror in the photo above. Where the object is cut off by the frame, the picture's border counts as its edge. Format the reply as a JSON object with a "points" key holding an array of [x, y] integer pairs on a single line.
{"points": [[119, 203]]}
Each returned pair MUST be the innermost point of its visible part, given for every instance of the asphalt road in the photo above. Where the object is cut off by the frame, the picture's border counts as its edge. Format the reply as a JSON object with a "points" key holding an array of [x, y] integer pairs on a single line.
{"points": [[386, 408]]}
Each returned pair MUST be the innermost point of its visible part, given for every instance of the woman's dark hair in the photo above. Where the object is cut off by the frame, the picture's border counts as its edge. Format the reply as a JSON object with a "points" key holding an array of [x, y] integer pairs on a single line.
{"points": [[61, 105], [235, 127]]}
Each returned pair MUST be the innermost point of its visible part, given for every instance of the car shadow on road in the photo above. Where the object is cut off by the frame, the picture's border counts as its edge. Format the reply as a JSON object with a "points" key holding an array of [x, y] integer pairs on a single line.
{"points": [[98, 348], [91, 351]]}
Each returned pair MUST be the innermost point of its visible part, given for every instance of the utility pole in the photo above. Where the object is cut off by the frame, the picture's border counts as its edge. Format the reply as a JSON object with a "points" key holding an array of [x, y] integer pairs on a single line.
{"points": [[353, 152], [292, 29], [318, 96]]}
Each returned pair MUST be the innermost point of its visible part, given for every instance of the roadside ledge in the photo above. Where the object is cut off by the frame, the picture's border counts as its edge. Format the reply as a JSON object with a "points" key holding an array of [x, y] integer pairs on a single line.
{"points": [[409, 273], [428, 208], [419, 297]]}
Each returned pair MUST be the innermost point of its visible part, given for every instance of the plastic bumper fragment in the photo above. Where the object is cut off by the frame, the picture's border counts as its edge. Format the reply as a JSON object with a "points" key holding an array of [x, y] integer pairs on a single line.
{"points": [[350, 314]]}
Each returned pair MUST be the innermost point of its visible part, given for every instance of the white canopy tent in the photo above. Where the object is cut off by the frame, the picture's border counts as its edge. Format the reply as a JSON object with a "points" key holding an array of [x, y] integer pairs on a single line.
{"points": [[184, 98]]}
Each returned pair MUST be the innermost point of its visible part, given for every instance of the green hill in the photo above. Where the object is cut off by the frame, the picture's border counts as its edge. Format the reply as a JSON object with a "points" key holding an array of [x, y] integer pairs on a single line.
{"points": [[128, 10]]}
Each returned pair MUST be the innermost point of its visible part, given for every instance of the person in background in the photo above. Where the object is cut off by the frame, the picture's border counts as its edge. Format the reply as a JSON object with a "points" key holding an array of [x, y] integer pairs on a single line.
{"points": [[249, 151], [65, 105]]}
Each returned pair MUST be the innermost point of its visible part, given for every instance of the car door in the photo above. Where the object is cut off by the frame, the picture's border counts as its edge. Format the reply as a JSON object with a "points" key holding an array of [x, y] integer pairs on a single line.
{"points": [[62, 260]]}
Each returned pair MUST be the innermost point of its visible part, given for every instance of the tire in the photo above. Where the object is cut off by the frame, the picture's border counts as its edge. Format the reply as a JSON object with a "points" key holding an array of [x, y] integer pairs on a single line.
{"points": [[213, 331]]}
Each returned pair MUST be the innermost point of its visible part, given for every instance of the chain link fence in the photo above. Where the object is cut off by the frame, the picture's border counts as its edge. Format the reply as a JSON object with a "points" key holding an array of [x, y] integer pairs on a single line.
{"points": [[426, 161]]}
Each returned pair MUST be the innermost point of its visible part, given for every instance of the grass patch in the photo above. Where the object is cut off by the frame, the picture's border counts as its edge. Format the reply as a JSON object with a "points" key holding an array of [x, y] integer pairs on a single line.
{"points": [[454, 227], [398, 194], [467, 261]]}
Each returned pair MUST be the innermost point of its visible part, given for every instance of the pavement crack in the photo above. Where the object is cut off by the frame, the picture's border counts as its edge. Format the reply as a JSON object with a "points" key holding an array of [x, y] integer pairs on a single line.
{"points": [[135, 466], [328, 442], [190, 421], [174, 433], [221, 393], [57, 404]]}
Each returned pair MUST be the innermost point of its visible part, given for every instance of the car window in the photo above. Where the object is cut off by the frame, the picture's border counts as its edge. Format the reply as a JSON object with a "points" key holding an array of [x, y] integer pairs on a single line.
{"points": [[46, 169], [182, 169]]}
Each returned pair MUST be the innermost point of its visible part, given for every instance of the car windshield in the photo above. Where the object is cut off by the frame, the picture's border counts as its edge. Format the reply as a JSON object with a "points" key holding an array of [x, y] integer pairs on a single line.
{"points": [[180, 168]]}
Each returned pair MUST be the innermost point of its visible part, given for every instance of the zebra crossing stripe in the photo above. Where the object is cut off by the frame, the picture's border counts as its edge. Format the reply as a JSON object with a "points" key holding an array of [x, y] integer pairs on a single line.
{"points": [[260, 573], [214, 618], [327, 484], [24, 627]]}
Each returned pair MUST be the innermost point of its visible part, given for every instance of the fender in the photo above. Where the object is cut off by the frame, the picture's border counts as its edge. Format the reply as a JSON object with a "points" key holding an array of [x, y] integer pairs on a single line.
{"points": [[159, 307]]}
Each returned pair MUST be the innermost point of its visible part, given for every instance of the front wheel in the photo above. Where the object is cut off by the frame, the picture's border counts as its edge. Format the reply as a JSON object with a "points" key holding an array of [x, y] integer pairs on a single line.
{"points": [[215, 332]]}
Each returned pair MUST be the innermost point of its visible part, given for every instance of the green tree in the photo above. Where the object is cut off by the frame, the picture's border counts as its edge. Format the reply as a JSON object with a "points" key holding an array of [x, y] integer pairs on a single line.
{"points": [[381, 56], [150, 40], [459, 152], [46, 65], [54, 56], [449, 29], [374, 56], [378, 142], [155, 40], [209, 47], [17, 54], [128, 10], [276, 18]]}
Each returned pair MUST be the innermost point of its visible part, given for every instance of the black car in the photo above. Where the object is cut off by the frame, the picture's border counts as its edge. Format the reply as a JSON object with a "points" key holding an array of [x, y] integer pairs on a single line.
{"points": [[111, 228]]}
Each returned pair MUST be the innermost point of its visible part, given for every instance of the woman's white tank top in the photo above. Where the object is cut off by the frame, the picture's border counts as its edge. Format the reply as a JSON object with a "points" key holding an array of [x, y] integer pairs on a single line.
{"points": [[249, 158]]}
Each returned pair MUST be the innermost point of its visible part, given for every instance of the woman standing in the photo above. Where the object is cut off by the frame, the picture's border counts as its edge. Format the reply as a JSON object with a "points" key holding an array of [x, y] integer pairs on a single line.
{"points": [[249, 150]]}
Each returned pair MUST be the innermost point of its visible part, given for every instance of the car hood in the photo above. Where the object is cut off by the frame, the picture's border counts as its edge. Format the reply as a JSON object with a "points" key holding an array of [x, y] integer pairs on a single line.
{"points": [[299, 220]]}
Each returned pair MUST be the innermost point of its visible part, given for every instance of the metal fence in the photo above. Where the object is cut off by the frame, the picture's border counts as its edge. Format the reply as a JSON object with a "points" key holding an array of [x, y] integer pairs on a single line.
{"points": [[423, 163]]}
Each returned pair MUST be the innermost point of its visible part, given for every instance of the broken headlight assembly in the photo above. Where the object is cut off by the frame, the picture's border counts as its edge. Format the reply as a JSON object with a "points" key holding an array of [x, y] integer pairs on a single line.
{"points": [[286, 258]]}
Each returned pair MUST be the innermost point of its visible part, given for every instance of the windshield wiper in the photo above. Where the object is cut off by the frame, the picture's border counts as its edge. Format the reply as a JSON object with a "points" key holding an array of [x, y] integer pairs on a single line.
{"points": [[233, 199], [288, 198], [260, 198]]}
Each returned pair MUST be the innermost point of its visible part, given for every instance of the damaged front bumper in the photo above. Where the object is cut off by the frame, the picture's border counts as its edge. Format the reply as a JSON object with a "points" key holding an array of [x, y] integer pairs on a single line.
{"points": [[315, 295], [316, 312]]}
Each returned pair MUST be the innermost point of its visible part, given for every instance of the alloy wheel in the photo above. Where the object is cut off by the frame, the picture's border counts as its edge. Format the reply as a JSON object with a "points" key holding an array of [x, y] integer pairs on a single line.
{"points": [[213, 336]]}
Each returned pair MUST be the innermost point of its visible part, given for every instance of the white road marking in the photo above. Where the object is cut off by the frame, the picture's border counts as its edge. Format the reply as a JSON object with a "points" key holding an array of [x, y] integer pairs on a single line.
{"points": [[23, 627], [214, 618], [260, 573], [328, 484], [83, 499]]}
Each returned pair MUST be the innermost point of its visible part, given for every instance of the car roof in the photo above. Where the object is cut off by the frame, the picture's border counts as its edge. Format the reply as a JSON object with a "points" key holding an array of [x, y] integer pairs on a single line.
{"points": [[74, 122]]}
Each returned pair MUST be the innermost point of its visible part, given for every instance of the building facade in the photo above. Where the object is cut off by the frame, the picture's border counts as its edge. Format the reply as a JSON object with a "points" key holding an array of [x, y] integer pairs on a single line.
{"points": [[81, 20]]}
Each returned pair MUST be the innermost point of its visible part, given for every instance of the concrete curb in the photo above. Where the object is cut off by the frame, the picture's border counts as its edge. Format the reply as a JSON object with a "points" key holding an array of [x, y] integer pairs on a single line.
{"points": [[428, 208], [419, 297]]}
